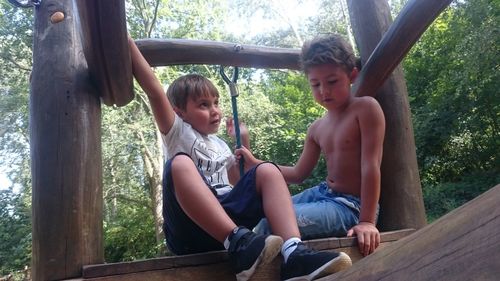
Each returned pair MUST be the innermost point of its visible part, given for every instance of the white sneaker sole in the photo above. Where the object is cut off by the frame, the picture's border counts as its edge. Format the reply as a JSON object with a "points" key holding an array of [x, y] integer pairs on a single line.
{"points": [[342, 262], [272, 248]]}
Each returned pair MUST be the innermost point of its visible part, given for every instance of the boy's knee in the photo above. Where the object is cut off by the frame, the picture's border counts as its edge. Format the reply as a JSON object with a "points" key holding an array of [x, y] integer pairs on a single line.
{"points": [[267, 169]]}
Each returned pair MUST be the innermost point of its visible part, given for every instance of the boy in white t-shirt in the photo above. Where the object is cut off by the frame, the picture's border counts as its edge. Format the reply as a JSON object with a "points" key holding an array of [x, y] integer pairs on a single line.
{"points": [[206, 205]]}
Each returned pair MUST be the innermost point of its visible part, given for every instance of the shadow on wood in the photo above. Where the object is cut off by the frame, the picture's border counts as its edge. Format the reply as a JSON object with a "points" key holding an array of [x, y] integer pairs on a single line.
{"points": [[462, 245]]}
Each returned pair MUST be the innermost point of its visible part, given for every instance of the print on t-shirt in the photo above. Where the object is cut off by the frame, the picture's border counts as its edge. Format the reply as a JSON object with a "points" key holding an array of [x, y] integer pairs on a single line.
{"points": [[211, 162]]}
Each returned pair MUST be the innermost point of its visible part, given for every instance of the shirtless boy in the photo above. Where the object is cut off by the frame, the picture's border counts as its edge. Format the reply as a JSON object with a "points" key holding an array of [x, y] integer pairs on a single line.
{"points": [[350, 136]]}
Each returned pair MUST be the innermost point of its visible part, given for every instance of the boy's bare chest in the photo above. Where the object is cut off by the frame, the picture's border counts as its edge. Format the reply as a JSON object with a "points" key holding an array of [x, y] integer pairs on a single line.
{"points": [[339, 136]]}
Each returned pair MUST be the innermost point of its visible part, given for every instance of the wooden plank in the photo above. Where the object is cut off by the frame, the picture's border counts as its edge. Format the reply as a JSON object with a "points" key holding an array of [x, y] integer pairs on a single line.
{"points": [[462, 245], [65, 144], [214, 265], [411, 22], [154, 264], [104, 35], [401, 200], [163, 52]]}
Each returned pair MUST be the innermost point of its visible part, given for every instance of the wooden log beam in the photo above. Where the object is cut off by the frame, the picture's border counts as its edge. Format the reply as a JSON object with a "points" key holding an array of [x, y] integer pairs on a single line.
{"points": [[462, 245], [411, 22], [163, 52], [65, 144], [104, 35]]}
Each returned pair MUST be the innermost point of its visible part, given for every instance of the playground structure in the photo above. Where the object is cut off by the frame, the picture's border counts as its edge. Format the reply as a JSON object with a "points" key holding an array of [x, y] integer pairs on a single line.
{"points": [[82, 60]]}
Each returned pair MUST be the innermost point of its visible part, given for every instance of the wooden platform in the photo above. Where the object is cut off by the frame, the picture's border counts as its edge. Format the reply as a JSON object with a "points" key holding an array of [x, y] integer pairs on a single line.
{"points": [[462, 245], [214, 265]]}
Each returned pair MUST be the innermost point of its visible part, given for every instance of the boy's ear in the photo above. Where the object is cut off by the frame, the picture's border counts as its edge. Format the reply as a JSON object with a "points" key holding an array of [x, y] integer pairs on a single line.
{"points": [[354, 74]]}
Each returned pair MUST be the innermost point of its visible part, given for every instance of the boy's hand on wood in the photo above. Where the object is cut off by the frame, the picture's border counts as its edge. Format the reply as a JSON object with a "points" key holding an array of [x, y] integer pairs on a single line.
{"points": [[368, 237]]}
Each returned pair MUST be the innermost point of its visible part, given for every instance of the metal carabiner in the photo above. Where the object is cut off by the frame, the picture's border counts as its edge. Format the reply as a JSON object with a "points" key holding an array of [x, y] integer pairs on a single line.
{"points": [[232, 83]]}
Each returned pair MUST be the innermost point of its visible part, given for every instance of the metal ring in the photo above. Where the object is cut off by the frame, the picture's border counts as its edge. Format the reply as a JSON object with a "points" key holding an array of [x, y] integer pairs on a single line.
{"points": [[225, 78]]}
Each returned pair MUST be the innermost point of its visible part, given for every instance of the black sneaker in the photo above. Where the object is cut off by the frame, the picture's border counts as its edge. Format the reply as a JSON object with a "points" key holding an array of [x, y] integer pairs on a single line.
{"points": [[307, 264], [247, 250]]}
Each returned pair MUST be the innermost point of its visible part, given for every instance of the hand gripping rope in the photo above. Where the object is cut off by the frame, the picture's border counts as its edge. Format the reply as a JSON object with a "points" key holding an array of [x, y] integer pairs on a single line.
{"points": [[234, 93]]}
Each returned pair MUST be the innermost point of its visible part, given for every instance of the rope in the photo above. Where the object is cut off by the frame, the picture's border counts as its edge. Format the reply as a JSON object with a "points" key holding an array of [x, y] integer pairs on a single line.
{"points": [[234, 93]]}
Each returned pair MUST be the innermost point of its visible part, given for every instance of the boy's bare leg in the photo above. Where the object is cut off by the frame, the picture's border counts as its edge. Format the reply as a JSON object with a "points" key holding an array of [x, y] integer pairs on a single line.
{"points": [[276, 201], [198, 201]]}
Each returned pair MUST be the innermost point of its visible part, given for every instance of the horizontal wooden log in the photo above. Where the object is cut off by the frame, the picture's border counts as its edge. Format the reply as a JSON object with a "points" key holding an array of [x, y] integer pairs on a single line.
{"points": [[105, 44], [214, 265], [462, 245], [163, 52], [411, 22]]}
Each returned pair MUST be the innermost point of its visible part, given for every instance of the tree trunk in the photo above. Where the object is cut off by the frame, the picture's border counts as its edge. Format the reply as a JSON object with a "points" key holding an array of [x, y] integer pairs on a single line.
{"points": [[401, 203], [157, 196], [154, 172], [65, 117]]}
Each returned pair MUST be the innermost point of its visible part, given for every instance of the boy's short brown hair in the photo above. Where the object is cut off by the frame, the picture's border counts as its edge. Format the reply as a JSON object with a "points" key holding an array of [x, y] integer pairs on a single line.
{"points": [[331, 48], [191, 86]]}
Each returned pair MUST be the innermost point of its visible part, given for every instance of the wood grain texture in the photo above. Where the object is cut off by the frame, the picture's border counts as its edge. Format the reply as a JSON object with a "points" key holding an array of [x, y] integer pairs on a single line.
{"points": [[462, 245], [163, 52], [104, 36], [65, 144]]}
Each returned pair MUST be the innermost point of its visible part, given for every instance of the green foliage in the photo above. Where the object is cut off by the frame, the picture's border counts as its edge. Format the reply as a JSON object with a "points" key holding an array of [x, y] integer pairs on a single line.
{"points": [[442, 198], [130, 235], [15, 66], [297, 111], [15, 232], [453, 80], [15, 61]]}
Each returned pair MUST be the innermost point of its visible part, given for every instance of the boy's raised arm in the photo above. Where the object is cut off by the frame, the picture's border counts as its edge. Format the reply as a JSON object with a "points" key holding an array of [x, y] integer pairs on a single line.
{"points": [[161, 107]]}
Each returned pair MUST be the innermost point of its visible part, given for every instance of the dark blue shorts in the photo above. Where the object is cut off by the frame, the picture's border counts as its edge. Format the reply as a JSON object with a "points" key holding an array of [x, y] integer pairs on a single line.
{"points": [[243, 205]]}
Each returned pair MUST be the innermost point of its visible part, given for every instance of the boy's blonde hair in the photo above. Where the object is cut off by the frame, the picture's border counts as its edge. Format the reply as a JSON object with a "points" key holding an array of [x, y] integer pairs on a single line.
{"points": [[331, 48], [191, 86]]}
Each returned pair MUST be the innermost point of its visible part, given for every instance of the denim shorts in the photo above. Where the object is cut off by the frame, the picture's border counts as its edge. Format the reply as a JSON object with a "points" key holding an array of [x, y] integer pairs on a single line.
{"points": [[243, 205], [322, 213]]}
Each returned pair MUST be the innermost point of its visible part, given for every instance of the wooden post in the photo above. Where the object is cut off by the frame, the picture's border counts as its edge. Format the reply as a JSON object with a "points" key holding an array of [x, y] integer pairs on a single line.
{"points": [[401, 202], [65, 118]]}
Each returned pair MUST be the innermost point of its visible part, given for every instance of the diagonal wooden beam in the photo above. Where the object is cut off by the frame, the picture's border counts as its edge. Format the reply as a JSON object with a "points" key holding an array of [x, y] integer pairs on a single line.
{"points": [[104, 37], [411, 22]]}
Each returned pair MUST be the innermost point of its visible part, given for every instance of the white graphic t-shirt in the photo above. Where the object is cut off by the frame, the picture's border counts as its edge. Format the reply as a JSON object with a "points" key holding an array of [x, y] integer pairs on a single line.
{"points": [[209, 153]]}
